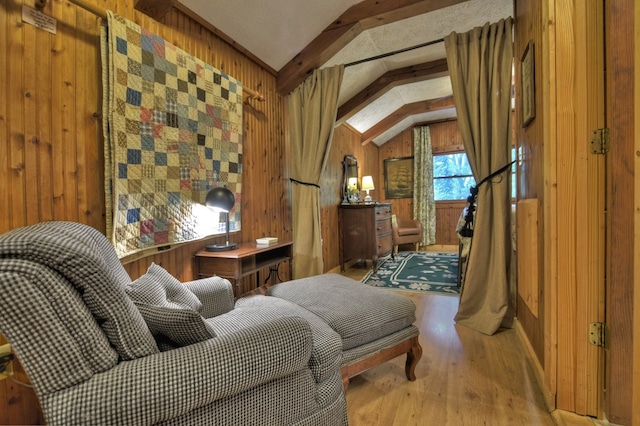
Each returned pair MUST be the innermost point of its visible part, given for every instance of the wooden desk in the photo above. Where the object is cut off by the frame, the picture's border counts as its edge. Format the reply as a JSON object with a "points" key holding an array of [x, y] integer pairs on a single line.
{"points": [[247, 259]]}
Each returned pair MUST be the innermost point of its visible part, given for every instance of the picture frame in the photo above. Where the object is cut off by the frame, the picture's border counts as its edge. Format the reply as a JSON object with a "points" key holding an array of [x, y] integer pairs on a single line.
{"points": [[398, 177], [527, 81]]}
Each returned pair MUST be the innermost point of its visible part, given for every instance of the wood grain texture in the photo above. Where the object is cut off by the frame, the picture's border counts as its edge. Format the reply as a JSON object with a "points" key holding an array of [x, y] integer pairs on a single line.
{"points": [[51, 145], [623, 259], [463, 378], [528, 243], [531, 166]]}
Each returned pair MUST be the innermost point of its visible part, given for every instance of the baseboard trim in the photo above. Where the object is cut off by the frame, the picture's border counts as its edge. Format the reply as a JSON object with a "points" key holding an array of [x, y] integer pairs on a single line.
{"points": [[536, 367]]}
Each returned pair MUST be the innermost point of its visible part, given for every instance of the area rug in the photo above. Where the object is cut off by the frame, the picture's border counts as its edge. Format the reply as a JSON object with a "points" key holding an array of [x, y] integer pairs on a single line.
{"points": [[417, 271]]}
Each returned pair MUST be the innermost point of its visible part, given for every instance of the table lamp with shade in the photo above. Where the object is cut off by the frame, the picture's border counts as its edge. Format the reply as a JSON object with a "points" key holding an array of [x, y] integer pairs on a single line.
{"points": [[367, 185], [221, 199]]}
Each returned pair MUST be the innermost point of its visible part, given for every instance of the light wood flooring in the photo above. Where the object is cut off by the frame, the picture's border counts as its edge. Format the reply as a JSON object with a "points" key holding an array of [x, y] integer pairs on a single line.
{"points": [[463, 378]]}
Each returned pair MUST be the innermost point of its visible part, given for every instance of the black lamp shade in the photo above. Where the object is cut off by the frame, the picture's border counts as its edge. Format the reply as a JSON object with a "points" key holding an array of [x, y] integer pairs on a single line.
{"points": [[220, 198]]}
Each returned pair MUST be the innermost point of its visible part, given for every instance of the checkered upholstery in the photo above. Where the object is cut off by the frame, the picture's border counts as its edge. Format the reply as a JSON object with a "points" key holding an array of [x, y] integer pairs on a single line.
{"points": [[326, 356], [377, 313], [80, 254], [159, 287], [61, 285]]}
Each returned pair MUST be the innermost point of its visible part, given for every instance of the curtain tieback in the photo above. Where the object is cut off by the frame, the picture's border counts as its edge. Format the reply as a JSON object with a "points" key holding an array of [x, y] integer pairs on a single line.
{"points": [[467, 229], [304, 183]]}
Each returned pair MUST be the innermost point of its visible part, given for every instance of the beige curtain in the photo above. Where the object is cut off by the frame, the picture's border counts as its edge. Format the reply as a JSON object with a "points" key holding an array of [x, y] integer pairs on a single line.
{"points": [[424, 205], [312, 114], [480, 64]]}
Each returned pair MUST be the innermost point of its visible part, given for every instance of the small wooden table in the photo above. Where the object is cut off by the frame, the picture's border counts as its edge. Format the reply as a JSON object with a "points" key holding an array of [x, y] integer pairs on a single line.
{"points": [[247, 259]]}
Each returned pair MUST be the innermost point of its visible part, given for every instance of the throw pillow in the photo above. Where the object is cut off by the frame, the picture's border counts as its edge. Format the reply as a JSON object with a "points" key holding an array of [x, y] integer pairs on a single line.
{"points": [[170, 309], [182, 326], [158, 287]]}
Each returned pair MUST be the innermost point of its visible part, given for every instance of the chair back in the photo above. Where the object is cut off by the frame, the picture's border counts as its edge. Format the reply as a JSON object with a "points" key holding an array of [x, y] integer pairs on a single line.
{"points": [[63, 306]]}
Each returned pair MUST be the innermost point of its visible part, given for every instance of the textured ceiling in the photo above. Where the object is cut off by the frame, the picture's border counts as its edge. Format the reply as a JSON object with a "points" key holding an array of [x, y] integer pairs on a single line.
{"points": [[277, 30]]}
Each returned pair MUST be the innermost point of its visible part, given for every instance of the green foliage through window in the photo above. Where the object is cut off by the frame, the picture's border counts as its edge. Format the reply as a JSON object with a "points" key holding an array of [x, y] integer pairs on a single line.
{"points": [[452, 176]]}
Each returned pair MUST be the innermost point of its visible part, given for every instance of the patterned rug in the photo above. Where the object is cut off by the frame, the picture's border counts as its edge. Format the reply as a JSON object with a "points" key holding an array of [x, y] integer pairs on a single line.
{"points": [[417, 271]]}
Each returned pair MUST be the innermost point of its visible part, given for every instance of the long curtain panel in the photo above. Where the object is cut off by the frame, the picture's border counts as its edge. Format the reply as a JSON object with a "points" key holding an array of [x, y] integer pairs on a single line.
{"points": [[312, 113], [424, 206], [480, 63]]}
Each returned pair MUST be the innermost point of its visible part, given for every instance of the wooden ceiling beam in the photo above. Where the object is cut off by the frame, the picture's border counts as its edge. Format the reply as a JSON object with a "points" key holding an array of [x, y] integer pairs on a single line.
{"points": [[391, 79], [155, 9], [403, 112], [358, 18]]}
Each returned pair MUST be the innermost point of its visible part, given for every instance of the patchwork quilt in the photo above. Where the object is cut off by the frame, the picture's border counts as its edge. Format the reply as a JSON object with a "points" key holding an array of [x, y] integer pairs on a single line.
{"points": [[173, 131]]}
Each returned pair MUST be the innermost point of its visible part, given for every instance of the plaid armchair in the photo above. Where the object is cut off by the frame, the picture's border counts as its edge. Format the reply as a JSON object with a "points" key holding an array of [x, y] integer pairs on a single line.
{"points": [[97, 349]]}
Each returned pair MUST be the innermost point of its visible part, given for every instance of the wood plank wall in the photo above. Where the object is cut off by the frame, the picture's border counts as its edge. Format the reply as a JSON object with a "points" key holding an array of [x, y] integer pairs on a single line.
{"points": [[445, 138], [51, 145], [531, 162]]}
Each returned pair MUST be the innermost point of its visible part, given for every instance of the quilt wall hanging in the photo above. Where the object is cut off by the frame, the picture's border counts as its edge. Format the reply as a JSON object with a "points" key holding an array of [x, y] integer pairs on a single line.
{"points": [[173, 131]]}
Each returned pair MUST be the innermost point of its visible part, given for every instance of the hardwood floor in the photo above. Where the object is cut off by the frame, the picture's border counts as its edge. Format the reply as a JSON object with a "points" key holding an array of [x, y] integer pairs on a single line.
{"points": [[464, 377]]}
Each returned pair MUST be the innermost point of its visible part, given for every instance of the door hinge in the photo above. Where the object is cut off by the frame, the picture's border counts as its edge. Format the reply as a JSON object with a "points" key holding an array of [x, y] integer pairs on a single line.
{"points": [[599, 142], [598, 334]]}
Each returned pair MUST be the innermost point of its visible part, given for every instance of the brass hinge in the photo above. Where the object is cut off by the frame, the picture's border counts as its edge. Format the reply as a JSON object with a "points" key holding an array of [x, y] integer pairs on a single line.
{"points": [[597, 334], [599, 142]]}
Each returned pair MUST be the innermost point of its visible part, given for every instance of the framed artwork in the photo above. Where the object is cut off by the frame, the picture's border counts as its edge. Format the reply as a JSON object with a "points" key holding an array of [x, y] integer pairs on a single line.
{"points": [[398, 177], [527, 66]]}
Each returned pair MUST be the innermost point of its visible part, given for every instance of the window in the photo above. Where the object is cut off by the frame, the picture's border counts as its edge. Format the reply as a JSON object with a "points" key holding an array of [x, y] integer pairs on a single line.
{"points": [[452, 176]]}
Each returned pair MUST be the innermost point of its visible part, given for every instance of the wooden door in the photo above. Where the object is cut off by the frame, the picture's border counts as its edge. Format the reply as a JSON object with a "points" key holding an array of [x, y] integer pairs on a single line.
{"points": [[578, 108], [619, 35]]}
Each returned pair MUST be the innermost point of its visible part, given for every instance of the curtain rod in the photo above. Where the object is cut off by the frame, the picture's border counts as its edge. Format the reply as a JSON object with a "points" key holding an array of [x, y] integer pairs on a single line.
{"points": [[102, 13], [395, 52]]}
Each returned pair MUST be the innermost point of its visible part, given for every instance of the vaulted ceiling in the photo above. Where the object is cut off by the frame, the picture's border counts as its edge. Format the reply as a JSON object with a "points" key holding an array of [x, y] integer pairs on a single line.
{"points": [[379, 98]]}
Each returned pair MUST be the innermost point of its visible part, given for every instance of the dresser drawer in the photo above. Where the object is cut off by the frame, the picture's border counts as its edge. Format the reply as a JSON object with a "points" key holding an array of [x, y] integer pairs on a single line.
{"points": [[385, 245], [383, 227], [383, 212]]}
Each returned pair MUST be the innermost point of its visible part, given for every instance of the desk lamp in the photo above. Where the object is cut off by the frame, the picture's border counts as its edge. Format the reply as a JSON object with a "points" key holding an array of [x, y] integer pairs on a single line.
{"points": [[221, 199], [367, 185]]}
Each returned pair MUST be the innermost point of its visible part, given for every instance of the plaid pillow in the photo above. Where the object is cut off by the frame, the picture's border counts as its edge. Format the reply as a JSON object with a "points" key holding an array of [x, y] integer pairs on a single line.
{"points": [[181, 326], [170, 309], [158, 287]]}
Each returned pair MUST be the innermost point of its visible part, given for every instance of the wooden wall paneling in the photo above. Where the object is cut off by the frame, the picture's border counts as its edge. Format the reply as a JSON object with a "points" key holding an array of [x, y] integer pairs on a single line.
{"points": [[446, 137], [59, 53], [447, 215], [623, 260], [43, 116], [31, 98], [531, 179], [15, 119], [51, 155], [527, 232], [635, 273], [5, 170], [579, 215]]}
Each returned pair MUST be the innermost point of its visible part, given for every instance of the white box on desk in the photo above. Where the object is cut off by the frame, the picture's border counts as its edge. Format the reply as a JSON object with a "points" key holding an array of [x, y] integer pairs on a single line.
{"points": [[266, 241]]}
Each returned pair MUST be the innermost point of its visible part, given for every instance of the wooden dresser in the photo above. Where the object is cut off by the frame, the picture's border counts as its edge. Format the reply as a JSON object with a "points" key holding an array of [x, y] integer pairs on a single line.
{"points": [[365, 231]]}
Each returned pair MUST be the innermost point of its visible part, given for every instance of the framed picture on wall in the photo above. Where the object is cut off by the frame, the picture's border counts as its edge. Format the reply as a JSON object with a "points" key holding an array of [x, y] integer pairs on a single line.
{"points": [[527, 66], [398, 177]]}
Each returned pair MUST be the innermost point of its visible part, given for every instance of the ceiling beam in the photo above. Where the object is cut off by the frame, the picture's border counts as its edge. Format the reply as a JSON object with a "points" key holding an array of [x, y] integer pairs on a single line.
{"points": [[358, 18], [403, 112], [391, 79], [156, 9]]}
